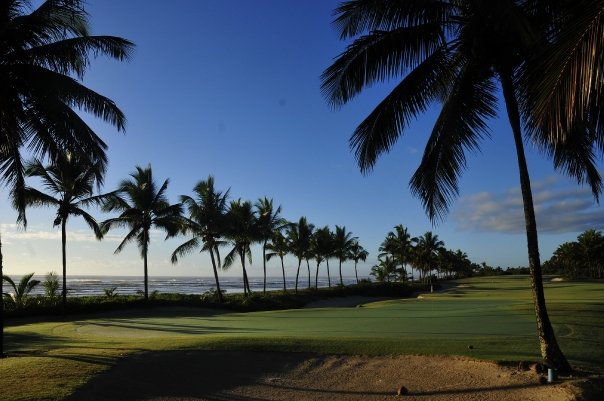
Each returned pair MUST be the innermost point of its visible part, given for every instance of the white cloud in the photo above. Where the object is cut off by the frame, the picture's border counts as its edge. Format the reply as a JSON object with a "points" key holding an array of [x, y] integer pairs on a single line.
{"points": [[557, 209], [15, 232]]}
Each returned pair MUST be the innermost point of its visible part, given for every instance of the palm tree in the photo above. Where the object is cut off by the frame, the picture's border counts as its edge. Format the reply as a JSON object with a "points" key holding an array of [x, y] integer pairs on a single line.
{"points": [[142, 205], [70, 183], [21, 291], [427, 250], [206, 224], [342, 244], [385, 269], [455, 53], [278, 247], [41, 54], [298, 237], [242, 232], [357, 252], [321, 250], [399, 244], [269, 222]]}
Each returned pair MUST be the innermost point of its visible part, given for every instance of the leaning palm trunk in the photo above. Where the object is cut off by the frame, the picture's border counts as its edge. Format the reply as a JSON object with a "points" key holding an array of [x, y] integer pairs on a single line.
{"points": [[264, 265], [550, 351], [216, 276], [356, 274], [64, 251], [308, 268], [246, 284], [1, 304], [328, 277], [298, 274], [283, 269], [317, 276], [341, 281]]}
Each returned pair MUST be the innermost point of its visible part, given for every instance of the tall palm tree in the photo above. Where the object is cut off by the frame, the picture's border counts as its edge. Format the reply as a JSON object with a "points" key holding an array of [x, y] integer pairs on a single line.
{"points": [[321, 249], [278, 247], [357, 252], [269, 222], [70, 183], [342, 244], [298, 237], [399, 244], [427, 250], [206, 224], [455, 53], [242, 232], [141, 205], [44, 54]]}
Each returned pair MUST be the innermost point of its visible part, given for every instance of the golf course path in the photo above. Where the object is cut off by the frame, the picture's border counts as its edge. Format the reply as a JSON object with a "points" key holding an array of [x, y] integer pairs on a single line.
{"points": [[255, 376]]}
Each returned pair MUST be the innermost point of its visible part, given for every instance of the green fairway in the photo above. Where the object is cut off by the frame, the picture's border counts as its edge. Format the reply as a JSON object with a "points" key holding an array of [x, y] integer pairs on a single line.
{"points": [[492, 315]]}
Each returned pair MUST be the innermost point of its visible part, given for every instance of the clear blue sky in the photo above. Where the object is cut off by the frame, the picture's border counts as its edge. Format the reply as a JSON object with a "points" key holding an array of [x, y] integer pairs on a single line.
{"points": [[231, 88]]}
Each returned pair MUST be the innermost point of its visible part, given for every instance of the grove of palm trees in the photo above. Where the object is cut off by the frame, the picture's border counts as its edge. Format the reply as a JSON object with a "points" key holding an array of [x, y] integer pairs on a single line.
{"points": [[538, 64]]}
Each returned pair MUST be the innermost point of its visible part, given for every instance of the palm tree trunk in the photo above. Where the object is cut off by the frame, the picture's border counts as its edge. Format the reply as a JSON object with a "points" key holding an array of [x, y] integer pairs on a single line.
{"points": [[341, 281], [146, 277], [264, 265], [308, 268], [317, 276], [246, 285], [298, 274], [550, 351], [216, 276], [328, 277], [1, 303], [283, 269], [64, 256], [355, 271]]}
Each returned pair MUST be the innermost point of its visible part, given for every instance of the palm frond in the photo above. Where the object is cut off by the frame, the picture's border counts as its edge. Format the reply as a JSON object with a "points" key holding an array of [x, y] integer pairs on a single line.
{"points": [[184, 249]]}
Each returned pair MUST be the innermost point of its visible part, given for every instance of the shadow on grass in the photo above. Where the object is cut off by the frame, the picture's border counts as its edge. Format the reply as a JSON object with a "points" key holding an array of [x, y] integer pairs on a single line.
{"points": [[163, 327]]}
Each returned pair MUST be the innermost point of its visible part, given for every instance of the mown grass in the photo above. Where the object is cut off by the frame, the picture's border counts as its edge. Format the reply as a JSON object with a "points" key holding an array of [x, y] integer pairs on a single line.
{"points": [[492, 315]]}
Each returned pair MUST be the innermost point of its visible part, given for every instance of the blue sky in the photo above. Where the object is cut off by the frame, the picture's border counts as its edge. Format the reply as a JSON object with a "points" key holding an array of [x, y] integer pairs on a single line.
{"points": [[231, 89]]}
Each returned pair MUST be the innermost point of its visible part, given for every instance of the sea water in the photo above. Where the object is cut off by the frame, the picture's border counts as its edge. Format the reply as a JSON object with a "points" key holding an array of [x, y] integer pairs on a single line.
{"points": [[128, 285]]}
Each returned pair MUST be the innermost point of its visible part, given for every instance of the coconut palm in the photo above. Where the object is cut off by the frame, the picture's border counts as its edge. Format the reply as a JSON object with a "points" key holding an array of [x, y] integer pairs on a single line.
{"points": [[21, 291], [426, 253], [70, 183], [206, 224], [342, 244], [278, 247], [385, 269], [399, 244], [44, 54], [299, 237], [242, 231], [357, 252], [455, 53], [142, 205], [269, 222], [321, 249]]}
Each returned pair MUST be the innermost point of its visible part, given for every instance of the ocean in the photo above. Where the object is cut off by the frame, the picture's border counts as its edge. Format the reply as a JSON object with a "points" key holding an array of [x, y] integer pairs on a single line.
{"points": [[78, 286]]}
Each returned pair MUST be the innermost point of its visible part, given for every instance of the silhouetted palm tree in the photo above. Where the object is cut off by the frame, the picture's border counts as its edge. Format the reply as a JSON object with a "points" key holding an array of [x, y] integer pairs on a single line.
{"points": [[42, 53], [321, 249], [206, 224], [455, 53], [269, 222], [342, 244], [278, 247], [70, 184], [426, 253], [357, 252], [399, 244], [242, 232], [21, 291], [298, 237], [385, 269], [142, 205]]}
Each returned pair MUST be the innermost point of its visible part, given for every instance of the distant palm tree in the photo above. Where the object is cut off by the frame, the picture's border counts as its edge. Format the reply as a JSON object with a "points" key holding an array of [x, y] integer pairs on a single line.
{"points": [[278, 247], [385, 269], [269, 222], [321, 249], [42, 52], [427, 250], [70, 183], [298, 237], [357, 252], [206, 224], [142, 205], [399, 244], [242, 232], [21, 291], [342, 245]]}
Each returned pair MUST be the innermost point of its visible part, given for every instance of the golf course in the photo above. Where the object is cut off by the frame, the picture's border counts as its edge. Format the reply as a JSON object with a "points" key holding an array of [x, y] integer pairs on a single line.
{"points": [[487, 318]]}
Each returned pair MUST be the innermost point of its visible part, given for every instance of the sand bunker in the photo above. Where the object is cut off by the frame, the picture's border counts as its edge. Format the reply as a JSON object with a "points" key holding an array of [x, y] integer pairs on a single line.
{"points": [[255, 376]]}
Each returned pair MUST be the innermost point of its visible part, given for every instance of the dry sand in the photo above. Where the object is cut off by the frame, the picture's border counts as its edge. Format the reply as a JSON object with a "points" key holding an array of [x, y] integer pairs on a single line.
{"points": [[255, 376]]}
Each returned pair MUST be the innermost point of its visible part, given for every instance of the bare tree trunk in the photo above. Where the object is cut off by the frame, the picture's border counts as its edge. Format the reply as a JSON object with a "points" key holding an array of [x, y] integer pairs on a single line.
{"points": [[1, 303], [283, 269], [64, 257], [550, 351], [216, 276]]}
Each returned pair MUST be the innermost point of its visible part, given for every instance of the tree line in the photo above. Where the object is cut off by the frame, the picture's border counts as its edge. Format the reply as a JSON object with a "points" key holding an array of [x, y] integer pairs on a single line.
{"points": [[581, 258]]}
